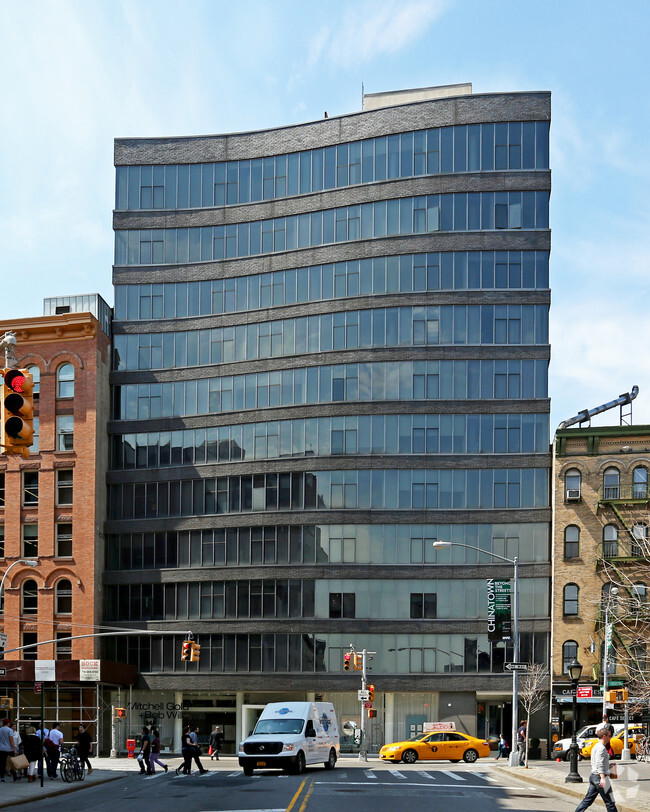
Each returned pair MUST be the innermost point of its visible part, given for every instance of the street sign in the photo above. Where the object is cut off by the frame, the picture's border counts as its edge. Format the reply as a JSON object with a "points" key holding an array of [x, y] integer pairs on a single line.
{"points": [[38, 687], [584, 691], [364, 696], [516, 666], [3, 641]]}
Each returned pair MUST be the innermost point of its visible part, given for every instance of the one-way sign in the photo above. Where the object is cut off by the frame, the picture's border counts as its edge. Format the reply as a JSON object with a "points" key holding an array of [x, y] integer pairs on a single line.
{"points": [[516, 666]]}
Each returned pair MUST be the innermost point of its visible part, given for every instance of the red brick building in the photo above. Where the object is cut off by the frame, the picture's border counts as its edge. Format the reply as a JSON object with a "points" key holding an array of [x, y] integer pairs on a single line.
{"points": [[52, 508]]}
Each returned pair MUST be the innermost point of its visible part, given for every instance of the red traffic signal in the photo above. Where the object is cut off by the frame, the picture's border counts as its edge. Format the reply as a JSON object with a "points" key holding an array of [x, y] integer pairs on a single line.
{"points": [[372, 712], [120, 713], [186, 651], [371, 692], [346, 661], [17, 411]]}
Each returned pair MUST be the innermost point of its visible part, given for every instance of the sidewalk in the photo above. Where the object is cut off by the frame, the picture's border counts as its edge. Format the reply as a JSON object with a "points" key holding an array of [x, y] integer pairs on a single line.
{"points": [[631, 790]]}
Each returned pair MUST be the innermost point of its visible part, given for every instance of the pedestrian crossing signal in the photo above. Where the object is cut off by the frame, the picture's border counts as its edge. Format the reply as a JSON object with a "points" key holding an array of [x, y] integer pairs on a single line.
{"points": [[120, 713], [372, 712]]}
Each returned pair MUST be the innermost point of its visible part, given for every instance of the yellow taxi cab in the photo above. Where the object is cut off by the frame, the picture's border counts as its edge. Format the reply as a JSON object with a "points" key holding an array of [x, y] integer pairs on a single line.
{"points": [[616, 742], [441, 744]]}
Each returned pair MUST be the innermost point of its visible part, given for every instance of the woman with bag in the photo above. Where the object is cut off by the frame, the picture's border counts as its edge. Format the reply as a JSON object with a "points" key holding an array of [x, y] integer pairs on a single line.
{"points": [[32, 748], [7, 747], [17, 761]]}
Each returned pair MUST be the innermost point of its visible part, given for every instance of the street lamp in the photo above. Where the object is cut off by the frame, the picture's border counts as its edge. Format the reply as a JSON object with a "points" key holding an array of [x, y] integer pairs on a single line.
{"points": [[25, 561], [575, 671], [514, 758]]}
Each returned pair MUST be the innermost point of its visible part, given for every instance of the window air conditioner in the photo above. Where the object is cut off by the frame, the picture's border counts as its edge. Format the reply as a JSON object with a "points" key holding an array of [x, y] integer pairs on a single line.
{"points": [[573, 494]]}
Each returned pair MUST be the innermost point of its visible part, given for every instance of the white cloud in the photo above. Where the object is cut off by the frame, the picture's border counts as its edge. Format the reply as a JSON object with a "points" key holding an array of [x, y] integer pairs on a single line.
{"points": [[372, 29]]}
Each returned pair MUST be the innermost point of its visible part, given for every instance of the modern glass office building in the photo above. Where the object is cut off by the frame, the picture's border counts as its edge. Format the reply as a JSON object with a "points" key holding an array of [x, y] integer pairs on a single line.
{"points": [[330, 350]]}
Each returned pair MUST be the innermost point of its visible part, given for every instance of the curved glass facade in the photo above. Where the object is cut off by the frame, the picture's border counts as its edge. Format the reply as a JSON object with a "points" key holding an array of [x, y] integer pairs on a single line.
{"points": [[349, 330], [380, 394], [425, 214], [339, 383], [405, 273]]}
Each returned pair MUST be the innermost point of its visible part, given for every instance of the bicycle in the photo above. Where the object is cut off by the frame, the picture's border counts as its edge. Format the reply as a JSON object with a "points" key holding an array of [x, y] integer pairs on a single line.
{"points": [[71, 767]]}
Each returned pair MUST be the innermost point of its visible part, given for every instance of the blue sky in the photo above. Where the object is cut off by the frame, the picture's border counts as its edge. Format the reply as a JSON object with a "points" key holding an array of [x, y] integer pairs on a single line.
{"points": [[75, 75]]}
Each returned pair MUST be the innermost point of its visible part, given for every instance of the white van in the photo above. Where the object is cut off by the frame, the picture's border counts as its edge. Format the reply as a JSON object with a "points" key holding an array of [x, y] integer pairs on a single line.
{"points": [[291, 735]]}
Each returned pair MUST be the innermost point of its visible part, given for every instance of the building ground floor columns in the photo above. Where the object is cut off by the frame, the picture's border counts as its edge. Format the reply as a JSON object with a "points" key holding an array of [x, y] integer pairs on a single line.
{"points": [[400, 714]]}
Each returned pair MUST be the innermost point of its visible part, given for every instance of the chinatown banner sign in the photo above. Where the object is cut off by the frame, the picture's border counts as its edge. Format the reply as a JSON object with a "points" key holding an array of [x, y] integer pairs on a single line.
{"points": [[499, 611]]}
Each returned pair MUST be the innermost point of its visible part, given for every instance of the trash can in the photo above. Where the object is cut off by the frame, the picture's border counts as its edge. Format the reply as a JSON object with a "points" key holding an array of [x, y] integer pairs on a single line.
{"points": [[130, 748]]}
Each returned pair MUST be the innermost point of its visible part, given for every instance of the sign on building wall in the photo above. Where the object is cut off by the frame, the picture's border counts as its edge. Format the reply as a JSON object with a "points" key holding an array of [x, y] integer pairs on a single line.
{"points": [[45, 671], [499, 610], [89, 670]]}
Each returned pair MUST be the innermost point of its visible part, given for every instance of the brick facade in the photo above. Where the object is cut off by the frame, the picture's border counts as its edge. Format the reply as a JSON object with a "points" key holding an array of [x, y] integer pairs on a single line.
{"points": [[47, 343]]}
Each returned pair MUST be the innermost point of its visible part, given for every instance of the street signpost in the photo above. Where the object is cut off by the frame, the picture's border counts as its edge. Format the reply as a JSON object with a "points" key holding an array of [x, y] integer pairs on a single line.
{"points": [[519, 667], [363, 696]]}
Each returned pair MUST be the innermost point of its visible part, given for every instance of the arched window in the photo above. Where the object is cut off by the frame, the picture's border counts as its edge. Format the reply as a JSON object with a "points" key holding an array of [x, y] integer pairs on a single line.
{"points": [[639, 543], [64, 597], [30, 598], [569, 654], [609, 597], [570, 602], [36, 378], [611, 483], [572, 484], [571, 541], [640, 476], [65, 381], [610, 541]]}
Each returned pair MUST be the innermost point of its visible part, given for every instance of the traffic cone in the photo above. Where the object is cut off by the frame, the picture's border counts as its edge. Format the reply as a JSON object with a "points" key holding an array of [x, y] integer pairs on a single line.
{"points": [[558, 760]]}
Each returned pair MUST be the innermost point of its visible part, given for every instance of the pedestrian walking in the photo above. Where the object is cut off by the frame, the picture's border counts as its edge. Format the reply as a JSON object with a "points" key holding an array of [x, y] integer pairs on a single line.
{"points": [[521, 744], [17, 774], [194, 738], [32, 749], [145, 752], [216, 743], [502, 747], [155, 752], [84, 746], [7, 747], [187, 749], [599, 779]]}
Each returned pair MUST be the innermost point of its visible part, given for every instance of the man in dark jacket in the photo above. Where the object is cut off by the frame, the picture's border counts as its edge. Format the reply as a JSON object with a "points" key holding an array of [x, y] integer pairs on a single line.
{"points": [[145, 749], [84, 746], [216, 742]]}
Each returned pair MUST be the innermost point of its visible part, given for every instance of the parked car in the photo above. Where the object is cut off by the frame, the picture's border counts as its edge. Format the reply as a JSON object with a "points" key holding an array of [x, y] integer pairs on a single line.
{"points": [[616, 742], [561, 747]]}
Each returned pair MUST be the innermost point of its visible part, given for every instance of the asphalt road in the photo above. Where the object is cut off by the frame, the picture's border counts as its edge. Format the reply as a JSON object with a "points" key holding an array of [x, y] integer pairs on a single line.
{"points": [[351, 787]]}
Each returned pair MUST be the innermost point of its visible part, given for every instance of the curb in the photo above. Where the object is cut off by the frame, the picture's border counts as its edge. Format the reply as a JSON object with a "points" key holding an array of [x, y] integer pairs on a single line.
{"points": [[78, 785], [567, 789]]}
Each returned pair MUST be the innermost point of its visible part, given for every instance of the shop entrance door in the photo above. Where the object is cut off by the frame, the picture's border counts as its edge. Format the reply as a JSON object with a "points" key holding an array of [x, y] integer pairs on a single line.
{"points": [[494, 721]]}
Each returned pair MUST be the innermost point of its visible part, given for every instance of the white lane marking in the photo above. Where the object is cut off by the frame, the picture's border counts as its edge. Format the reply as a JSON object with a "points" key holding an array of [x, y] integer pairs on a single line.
{"points": [[369, 774], [234, 775], [455, 776], [155, 775], [426, 775], [397, 774], [486, 777], [339, 774]]}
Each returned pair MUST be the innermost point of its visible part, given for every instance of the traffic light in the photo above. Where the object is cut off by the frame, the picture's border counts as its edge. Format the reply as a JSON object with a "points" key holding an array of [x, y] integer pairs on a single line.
{"points": [[120, 713], [358, 662], [371, 692], [613, 697], [346, 661], [195, 652], [372, 712], [17, 411], [186, 651]]}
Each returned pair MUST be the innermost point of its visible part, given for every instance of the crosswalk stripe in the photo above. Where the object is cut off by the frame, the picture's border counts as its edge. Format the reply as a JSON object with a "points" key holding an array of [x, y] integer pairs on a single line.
{"points": [[426, 775], [369, 774], [396, 774], [455, 776]]}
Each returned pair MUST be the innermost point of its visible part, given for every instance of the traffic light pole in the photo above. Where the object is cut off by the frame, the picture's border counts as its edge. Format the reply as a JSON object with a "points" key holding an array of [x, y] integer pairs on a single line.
{"points": [[363, 753]]}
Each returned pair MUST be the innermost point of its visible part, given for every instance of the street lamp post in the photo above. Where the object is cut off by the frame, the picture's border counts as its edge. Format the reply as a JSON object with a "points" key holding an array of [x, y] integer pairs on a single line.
{"points": [[514, 757], [574, 777]]}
